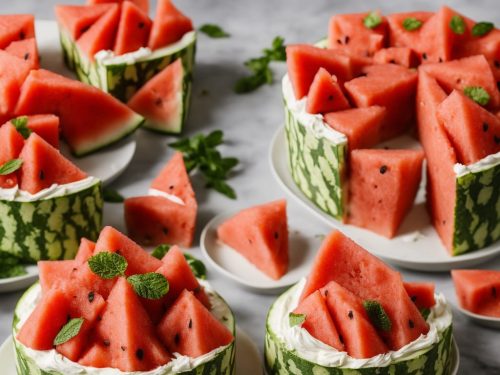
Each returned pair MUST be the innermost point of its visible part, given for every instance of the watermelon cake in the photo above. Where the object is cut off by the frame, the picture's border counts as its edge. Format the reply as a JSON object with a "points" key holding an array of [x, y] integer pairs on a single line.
{"points": [[146, 63], [115, 309], [354, 315], [376, 78]]}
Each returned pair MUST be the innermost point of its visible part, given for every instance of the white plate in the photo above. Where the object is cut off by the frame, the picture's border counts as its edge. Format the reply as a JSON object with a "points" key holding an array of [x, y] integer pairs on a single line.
{"points": [[105, 164], [234, 266], [486, 321], [418, 246], [248, 359], [13, 284]]}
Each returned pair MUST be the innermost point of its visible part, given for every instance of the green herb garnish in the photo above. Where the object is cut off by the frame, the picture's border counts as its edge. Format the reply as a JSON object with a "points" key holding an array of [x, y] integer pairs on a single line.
{"points": [[200, 152], [112, 196], [412, 23], [377, 315], [150, 285], [160, 251], [10, 166], [482, 28], [10, 266], [478, 94], [214, 31], [372, 20], [68, 331], [259, 66], [457, 24], [296, 319], [21, 125], [425, 312], [197, 266], [108, 265]]}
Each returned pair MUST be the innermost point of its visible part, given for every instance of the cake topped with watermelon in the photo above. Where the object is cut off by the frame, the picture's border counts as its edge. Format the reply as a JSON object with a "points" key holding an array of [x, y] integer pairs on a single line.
{"points": [[354, 314], [117, 308], [351, 99]]}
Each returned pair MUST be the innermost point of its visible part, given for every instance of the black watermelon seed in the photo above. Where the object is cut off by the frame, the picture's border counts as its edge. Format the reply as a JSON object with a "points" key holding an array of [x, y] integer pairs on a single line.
{"points": [[99, 318], [440, 60], [424, 56], [346, 39], [392, 61], [123, 348], [177, 339], [165, 230], [444, 222], [42, 175], [497, 139], [22, 35], [141, 25], [249, 241], [190, 325], [330, 97], [171, 187], [325, 293], [276, 235], [494, 292], [26, 56], [139, 353], [106, 342], [91, 297], [158, 102], [485, 127], [497, 64], [411, 324], [339, 41], [498, 84], [383, 169], [341, 339], [414, 298], [224, 318], [350, 314], [68, 317]]}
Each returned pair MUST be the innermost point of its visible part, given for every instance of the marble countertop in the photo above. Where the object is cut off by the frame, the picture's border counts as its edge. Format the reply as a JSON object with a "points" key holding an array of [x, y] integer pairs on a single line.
{"points": [[249, 121]]}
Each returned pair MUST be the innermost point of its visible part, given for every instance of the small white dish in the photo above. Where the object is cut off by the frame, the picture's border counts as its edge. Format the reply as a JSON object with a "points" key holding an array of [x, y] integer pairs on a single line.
{"points": [[485, 321], [417, 247], [233, 265], [12, 284]]}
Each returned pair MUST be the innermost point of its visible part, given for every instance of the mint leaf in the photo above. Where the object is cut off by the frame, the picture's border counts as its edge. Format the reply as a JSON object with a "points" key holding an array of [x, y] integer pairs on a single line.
{"points": [[107, 265], [457, 25], [112, 196], [160, 251], [150, 285], [482, 28], [478, 94], [214, 31], [10, 166], [296, 319], [197, 266], [21, 125], [425, 312], [69, 330], [377, 315], [372, 20], [412, 23]]}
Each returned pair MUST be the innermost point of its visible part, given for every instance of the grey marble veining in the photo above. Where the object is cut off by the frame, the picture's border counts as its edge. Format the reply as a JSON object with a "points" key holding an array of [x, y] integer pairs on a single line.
{"points": [[249, 121]]}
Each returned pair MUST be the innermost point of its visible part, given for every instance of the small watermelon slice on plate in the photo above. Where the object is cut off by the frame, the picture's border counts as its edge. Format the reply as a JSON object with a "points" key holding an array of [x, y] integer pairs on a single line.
{"points": [[26, 50], [11, 144], [325, 94], [133, 29], [16, 27], [169, 25], [77, 19]]}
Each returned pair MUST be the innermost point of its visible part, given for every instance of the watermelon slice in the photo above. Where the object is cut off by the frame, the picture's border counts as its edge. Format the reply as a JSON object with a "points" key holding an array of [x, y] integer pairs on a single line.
{"points": [[260, 234], [14, 72], [16, 27], [343, 261], [188, 328], [478, 291], [382, 186], [90, 119], [46, 126], [133, 29], [85, 251], [101, 35], [422, 294], [360, 125], [169, 25], [357, 332], [26, 50], [473, 131], [160, 100], [325, 94], [173, 179], [396, 55], [347, 32], [54, 273], [11, 144], [77, 19], [390, 86], [141, 4], [44, 165], [318, 321]]}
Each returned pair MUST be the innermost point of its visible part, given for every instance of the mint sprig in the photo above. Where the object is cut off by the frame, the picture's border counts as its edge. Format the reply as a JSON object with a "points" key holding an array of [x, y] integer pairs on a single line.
{"points": [[482, 28], [68, 331], [377, 315], [197, 266], [112, 196], [296, 319], [150, 285], [411, 24], [160, 251], [372, 20], [457, 24], [214, 31], [108, 265], [10, 166], [21, 125], [478, 94]]}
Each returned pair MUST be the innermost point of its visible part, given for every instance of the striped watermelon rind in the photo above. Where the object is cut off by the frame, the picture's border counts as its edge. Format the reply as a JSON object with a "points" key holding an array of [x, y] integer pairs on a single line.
{"points": [[51, 228], [222, 364], [124, 78]]}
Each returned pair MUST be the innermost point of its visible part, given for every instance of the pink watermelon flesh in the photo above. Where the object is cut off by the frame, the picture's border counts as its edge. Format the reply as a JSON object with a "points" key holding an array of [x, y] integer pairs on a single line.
{"points": [[85, 251], [478, 291], [390, 86], [133, 29], [169, 25], [473, 131], [77, 19], [360, 125], [45, 126], [89, 118], [159, 101], [318, 321], [357, 332], [347, 32], [43, 165], [396, 55], [14, 72], [343, 261], [54, 273], [127, 334], [26, 50], [101, 35], [260, 234], [11, 144], [382, 188], [422, 294], [190, 329], [325, 94], [141, 4], [16, 27], [440, 157]]}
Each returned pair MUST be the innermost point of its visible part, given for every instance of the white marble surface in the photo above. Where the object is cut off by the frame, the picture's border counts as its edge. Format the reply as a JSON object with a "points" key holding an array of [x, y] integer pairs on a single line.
{"points": [[249, 122]]}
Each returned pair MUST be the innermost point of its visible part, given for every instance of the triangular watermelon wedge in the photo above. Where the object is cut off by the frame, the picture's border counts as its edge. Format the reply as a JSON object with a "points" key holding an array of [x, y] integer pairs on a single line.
{"points": [[16, 27], [26, 50], [90, 118], [260, 234], [141, 4], [169, 25], [133, 29], [422, 294], [46, 126], [85, 251], [396, 55], [325, 94], [14, 72], [54, 273], [77, 19], [188, 328], [11, 144]]}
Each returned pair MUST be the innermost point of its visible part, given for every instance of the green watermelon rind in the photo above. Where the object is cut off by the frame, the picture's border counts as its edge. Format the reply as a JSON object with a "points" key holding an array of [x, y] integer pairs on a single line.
{"points": [[477, 210], [280, 360], [222, 364], [124, 79], [51, 229]]}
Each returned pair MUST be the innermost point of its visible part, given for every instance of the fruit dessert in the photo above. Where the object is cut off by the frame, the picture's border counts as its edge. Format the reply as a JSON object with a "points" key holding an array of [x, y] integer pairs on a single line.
{"points": [[478, 291], [148, 64], [352, 98], [115, 309], [17, 37], [168, 213], [260, 234], [354, 314]]}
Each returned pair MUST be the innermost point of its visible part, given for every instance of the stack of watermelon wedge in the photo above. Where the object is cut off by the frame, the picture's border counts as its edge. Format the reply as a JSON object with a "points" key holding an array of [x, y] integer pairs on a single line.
{"points": [[115, 46], [377, 78]]}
